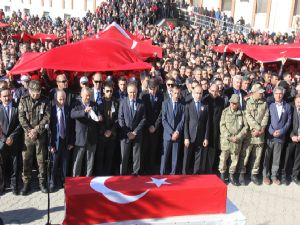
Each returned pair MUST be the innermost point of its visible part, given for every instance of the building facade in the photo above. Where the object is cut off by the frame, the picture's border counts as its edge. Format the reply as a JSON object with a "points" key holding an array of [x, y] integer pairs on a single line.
{"points": [[266, 15]]}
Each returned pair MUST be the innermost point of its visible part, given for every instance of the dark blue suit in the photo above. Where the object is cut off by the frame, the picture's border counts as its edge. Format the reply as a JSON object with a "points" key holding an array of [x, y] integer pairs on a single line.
{"points": [[275, 144], [172, 121], [61, 157], [129, 122]]}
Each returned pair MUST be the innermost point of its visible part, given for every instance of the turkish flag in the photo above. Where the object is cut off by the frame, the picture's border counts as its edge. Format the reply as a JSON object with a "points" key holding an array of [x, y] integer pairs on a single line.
{"points": [[111, 199]]}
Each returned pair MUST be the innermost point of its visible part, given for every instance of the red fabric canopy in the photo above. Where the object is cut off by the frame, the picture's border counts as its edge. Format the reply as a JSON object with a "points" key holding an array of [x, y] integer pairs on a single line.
{"points": [[264, 53], [144, 49], [83, 56], [37, 37], [2, 25]]}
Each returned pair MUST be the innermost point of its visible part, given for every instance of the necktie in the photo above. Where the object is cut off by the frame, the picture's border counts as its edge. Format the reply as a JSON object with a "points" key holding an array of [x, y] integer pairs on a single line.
{"points": [[175, 108], [298, 111], [7, 112], [132, 107], [152, 100], [61, 124], [98, 98], [198, 107]]}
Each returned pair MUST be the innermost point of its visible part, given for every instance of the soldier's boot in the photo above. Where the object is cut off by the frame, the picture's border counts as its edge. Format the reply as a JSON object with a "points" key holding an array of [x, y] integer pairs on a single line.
{"points": [[222, 177], [43, 188], [242, 179], [25, 190], [233, 181], [254, 179]]}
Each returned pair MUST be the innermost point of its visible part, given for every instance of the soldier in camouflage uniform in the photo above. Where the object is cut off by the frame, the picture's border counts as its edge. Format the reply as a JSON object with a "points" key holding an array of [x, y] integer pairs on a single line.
{"points": [[257, 115], [34, 114], [233, 128]]}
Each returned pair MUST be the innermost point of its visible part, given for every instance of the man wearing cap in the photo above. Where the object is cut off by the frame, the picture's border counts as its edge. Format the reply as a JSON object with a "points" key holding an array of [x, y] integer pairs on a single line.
{"points": [[257, 116], [151, 148], [34, 115], [23, 90], [233, 128]]}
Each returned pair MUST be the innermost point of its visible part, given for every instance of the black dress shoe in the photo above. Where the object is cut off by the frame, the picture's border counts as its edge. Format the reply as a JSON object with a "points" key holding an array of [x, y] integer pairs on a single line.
{"points": [[255, 179], [242, 179], [284, 181], [43, 188], [15, 191], [25, 190], [52, 188], [233, 181]]}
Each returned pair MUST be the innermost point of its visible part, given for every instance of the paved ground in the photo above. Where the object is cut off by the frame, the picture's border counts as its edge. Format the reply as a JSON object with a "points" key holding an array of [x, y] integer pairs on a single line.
{"points": [[262, 205]]}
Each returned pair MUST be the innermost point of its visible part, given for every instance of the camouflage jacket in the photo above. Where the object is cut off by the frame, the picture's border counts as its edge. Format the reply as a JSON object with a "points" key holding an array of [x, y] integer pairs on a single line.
{"points": [[257, 116], [34, 114], [233, 123]]}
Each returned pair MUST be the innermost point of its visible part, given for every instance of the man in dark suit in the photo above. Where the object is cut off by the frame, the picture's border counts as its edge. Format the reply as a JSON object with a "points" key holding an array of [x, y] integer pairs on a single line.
{"points": [[87, 118], [280, 121], [151, 150], [292, 155], [196, 133], [236, 89], [170, 83], [109, 110], [173, 122], [121, 93], [62, 84], [216, 105], [62, 139], [11, 138], [131, 120]]}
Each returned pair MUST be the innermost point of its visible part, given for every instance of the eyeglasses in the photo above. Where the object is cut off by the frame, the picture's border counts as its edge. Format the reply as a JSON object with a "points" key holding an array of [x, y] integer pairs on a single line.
{"points": [[108, 91], [97, 81], [170, 85], [62, 81]]}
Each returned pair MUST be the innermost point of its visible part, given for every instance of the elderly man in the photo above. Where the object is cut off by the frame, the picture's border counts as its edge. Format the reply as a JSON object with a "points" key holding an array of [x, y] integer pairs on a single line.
{"points": [[87, 117], [62, 139], [280, 122], [233, 127], [236, 89], [34, 115], [257, 116], [97, 85]]}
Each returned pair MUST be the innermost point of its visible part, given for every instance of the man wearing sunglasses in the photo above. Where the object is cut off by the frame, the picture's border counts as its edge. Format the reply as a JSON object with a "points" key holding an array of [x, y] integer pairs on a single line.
{"points": [[109, 110], [62, 85], [170, 82], [96, 93]]}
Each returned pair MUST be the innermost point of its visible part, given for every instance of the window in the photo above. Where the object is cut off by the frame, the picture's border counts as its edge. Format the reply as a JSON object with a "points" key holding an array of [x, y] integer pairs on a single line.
{"points": [[67, 16], [297, 8], [226, 5], [7, 8], [46, 14], [261, 6]]}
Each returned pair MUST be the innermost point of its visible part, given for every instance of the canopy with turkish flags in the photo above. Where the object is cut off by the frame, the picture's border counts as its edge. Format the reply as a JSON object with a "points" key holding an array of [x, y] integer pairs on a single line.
{"points": [[120, 198], [263, 53], [3, 25], [83, 56], [144, 49]]}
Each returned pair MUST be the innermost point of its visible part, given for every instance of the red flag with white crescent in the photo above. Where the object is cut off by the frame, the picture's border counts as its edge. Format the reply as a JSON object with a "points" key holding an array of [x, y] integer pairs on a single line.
{"points": [[111, 199]]}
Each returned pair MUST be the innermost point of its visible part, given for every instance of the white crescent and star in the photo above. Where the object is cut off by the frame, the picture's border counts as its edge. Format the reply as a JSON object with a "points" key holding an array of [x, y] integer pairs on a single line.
{"points": [[98, 185]]}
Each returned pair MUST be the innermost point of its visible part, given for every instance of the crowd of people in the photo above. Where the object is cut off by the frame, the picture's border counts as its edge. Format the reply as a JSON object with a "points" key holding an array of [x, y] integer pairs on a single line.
{"points": [[195, 112]]}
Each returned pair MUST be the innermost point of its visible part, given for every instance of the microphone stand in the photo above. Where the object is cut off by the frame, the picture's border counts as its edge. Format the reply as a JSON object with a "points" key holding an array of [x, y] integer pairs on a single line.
{"points": [[48, 173]]}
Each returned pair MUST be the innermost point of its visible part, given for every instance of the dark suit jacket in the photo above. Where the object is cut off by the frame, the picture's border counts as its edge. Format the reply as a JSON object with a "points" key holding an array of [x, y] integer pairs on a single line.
{"points": [[228, 92], [54, 127], [70, 97], [170, 122], [153, 113], [109, 122], [12, 128], [131, 123], [87, 130], [196, 127], [295, 123], [283, 124]]}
